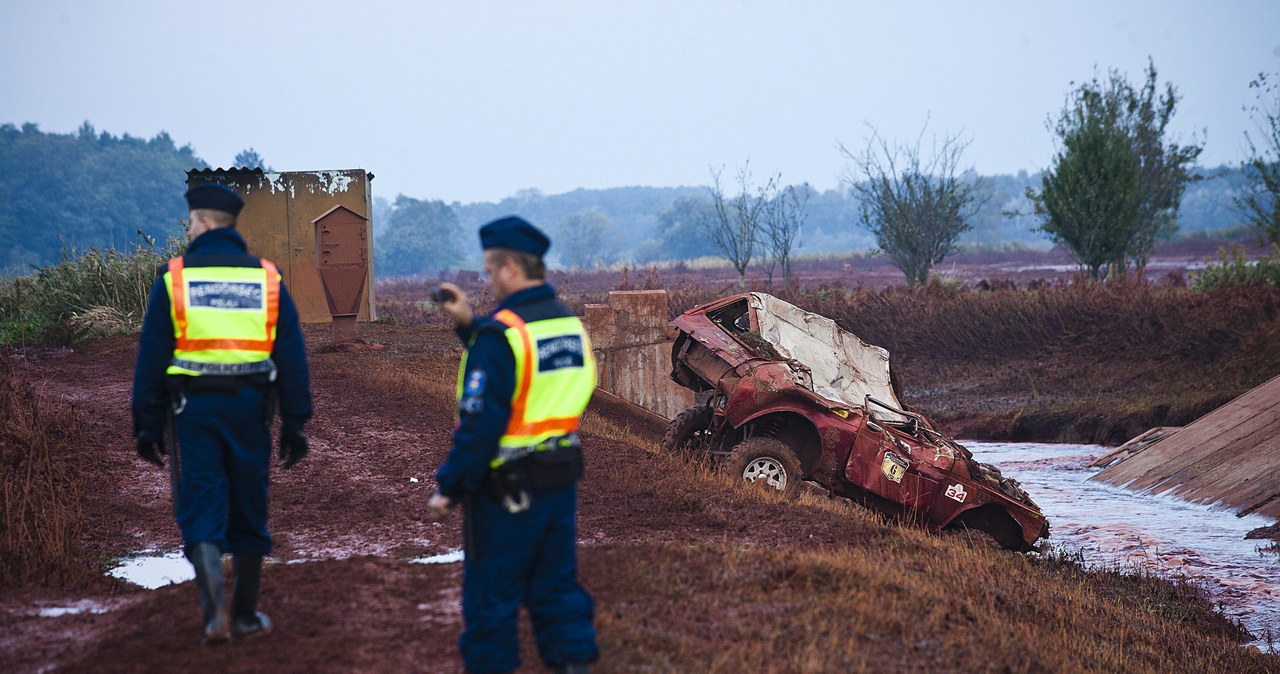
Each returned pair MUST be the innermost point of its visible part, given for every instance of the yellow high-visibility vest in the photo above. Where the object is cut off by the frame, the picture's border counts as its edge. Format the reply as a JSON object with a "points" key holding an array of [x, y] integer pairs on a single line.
{"points": [[224, 318], [555, 377]]}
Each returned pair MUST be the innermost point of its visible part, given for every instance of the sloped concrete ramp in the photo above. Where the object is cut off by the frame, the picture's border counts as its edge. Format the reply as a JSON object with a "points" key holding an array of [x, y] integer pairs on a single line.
{"points": [[1229, 457]]}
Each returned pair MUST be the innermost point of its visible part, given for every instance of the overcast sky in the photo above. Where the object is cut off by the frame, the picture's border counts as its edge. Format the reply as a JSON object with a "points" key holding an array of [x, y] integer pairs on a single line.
{"points": [[472, 100]]}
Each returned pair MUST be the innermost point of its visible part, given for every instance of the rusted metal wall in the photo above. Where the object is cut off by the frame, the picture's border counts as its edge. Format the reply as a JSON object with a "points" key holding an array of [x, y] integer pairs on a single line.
{"points": [[277, 224], [1230, 456], [632, 340]]}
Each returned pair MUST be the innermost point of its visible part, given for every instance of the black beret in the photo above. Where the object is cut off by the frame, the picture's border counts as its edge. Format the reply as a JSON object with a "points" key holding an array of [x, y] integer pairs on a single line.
{"points": [[515, 233], [214, 197]]}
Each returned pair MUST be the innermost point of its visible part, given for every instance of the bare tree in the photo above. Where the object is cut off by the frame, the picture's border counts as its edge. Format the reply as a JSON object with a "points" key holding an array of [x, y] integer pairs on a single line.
{"points": [[737, 225], [916, 207], [782, 227], [1260, 203]]}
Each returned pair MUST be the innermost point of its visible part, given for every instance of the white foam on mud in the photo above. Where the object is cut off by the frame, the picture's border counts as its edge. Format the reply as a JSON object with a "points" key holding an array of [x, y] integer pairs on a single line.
{"points": [[1117, 528], [447, 558], [154, 571]]}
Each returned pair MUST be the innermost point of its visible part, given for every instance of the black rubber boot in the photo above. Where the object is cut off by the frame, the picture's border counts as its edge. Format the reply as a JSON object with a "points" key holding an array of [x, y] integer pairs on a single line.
{"points": [[573, 668], [245, 619], [207, 560]]}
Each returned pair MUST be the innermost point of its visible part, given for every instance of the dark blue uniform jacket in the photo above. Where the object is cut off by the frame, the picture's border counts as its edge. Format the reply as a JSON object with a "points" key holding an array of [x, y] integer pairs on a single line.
{"points": [[216, 248], [489, 383]]}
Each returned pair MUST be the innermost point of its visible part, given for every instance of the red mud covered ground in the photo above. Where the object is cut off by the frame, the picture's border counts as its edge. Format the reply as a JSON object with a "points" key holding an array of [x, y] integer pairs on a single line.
{"points": [[350, 511], [344, 596]]}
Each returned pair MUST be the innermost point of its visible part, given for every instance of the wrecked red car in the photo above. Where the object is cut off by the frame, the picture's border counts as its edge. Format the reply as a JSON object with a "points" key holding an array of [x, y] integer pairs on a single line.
{"points": [[784, 396]]}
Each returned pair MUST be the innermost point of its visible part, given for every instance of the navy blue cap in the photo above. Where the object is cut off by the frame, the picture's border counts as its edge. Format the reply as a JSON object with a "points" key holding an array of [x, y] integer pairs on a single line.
{"points": [[214, 197], [515, 233]]}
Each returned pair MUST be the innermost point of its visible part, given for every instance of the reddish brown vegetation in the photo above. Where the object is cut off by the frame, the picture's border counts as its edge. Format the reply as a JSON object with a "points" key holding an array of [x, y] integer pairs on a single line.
{"points": [[1030, 359], [40, 487]]}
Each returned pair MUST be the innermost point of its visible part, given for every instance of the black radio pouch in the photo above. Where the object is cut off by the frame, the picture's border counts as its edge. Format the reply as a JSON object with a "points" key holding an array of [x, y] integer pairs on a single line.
{"points": [[509, 479], [554, 468]]}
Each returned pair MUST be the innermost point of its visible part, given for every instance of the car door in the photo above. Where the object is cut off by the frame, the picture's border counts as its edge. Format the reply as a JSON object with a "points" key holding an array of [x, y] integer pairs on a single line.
{"points": [[882, 464]]}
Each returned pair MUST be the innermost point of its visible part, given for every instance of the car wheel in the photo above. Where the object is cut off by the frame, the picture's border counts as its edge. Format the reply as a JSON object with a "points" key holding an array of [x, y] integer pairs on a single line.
{"points": [[765, 462], [689, 434]]}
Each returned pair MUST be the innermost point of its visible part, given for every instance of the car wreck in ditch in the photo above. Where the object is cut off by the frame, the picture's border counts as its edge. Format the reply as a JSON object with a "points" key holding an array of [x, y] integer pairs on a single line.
{"points": [[784, 396]]}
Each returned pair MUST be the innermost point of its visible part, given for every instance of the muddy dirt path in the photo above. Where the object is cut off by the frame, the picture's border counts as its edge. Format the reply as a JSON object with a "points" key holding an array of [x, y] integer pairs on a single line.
{"points": [[353, 511]]}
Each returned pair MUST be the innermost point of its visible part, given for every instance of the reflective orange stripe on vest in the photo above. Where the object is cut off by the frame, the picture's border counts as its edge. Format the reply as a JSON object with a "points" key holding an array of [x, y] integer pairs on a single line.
{"points": [[179, 295], [517, 425]]}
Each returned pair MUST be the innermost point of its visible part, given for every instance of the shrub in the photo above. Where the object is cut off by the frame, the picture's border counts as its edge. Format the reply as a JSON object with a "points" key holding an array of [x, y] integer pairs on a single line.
{"points": [[1234, 270], [85, 295]]}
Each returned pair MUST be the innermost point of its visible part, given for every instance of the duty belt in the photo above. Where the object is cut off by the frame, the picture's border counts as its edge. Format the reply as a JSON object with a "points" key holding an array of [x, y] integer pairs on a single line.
{"points": [[267, 367], [508, 454]]}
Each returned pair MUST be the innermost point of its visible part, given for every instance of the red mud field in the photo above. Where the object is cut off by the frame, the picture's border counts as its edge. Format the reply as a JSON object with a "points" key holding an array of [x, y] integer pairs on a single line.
{"points": [[1170, 262]]}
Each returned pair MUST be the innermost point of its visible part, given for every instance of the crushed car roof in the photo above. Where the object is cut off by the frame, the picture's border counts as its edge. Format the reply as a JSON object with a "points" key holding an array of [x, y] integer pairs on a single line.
{"points": [[857, 370]]}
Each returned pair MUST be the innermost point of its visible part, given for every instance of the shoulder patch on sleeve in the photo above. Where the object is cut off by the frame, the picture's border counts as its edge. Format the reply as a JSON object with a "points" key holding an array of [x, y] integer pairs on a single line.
{"points": [[474, 385]]}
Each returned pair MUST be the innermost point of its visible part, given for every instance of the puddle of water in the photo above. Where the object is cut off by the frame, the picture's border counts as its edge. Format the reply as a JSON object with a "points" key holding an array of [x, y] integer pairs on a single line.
{"points": [[446, 558], [154, 571], [74, 608], [1120, 528]]}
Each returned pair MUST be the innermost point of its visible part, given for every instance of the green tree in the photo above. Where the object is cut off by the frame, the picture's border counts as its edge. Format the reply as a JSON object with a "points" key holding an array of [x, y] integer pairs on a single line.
{"points": [[1164, 167], [916, 207], [587, 240], [1260, 199], [424, 236], [1091, 196]]}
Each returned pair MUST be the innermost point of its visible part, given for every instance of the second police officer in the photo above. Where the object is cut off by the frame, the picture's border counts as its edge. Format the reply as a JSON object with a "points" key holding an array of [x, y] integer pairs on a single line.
{"points": [[523, 385]]}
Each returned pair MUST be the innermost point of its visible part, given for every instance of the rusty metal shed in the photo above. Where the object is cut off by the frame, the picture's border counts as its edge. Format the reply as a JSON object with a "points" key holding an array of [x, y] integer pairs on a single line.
{"points": [[277, 223]]}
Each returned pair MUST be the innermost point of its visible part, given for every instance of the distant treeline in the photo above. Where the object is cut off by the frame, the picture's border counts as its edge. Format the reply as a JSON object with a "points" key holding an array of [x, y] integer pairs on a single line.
{"points": [[647, 224], [86, 189], [94, 189]]}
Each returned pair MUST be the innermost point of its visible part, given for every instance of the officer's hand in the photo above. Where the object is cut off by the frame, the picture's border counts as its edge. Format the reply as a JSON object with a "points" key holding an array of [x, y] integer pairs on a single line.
{"points": [[150, 449], [455, 304], [439, 505], [293, 446]]}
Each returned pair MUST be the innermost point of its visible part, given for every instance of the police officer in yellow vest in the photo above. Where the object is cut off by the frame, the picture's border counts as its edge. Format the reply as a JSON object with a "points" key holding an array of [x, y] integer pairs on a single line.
{"points": [[523, 385], [220, 343]]}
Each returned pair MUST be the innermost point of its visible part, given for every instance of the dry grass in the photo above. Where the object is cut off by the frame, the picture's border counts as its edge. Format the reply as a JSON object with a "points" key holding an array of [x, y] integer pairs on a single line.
{"points": [[688, 589], [909, 602], [896, 599], [40, 524], [86, 295]]}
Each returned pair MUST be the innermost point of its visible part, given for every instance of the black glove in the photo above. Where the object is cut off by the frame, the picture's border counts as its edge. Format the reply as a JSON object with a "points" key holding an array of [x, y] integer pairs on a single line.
{"points": [[150, 449], [293, 446]]}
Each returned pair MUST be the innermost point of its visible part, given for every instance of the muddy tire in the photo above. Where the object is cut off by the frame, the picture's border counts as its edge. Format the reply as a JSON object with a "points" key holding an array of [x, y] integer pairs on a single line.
{"points": [[689, 434], [765, 462]]}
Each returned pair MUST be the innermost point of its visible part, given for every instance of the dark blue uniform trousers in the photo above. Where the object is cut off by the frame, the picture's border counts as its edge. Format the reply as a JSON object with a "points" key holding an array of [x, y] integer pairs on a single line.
{"points": [[226, 451], [529, 558]]}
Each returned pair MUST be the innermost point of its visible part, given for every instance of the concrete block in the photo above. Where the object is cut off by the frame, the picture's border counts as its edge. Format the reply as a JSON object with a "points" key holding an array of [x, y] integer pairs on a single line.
{"points": [[632, 341]]}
